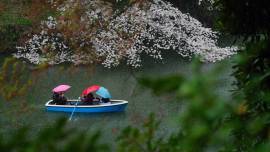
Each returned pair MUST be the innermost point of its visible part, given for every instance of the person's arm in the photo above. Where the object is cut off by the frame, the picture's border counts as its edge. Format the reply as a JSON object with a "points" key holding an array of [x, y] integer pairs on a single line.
{"points": [[83, 99], [54, 97], [98, 99], [64, 99]]}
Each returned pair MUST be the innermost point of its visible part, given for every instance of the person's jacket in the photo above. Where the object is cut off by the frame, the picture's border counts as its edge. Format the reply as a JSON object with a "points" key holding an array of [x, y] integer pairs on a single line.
{"points": [[87, 99], [105, 100], [58, 99]]}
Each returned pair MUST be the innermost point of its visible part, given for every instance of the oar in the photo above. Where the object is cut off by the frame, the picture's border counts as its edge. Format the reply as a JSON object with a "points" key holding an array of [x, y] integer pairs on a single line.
{"points": [[70, 118]]}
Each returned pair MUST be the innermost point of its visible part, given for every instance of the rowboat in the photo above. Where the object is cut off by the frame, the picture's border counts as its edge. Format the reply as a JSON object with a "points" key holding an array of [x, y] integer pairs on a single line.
{"points": [[113, 106]]}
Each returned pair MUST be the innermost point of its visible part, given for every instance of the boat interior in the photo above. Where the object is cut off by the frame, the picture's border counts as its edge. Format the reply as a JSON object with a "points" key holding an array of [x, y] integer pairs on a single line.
{"points": [[80, 103]]}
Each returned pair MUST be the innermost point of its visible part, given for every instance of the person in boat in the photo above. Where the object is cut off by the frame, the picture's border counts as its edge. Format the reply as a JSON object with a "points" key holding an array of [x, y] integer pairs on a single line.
{"points": [[105, 100], [96, 100], [88, 99], [59, 98]]}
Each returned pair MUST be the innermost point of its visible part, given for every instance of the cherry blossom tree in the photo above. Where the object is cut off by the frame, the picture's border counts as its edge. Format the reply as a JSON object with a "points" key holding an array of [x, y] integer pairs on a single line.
{"points": [[101, 34]]}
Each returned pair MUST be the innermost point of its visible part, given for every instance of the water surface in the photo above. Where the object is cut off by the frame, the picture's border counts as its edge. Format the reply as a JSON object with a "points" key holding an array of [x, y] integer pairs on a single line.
{"points": [[122, 83]]}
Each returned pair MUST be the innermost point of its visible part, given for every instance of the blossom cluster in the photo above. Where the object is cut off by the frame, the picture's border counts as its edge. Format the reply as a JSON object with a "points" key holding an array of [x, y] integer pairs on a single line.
{"points": [[36, 49], [152, 28]]}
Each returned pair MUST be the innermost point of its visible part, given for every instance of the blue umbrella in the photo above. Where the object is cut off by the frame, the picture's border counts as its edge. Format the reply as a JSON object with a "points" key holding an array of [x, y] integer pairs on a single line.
{"points": [[103, 92]]}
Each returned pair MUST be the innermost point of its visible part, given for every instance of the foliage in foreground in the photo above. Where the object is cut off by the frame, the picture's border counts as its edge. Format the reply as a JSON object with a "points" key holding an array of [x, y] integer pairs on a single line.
{"points": [[56, 138], [250, 19], [207, 123], [202, 125], [252, 72], [14, 79]]}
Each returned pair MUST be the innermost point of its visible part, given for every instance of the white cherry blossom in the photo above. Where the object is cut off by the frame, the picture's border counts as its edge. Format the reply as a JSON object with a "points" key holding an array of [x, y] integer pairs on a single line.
{"points": [[153, 29]]}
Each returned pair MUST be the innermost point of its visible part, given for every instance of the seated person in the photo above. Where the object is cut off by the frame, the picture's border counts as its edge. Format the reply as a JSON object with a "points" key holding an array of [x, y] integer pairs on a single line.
{"points": [[88, 99], [59, 98], [105, 100], [96, 100]]}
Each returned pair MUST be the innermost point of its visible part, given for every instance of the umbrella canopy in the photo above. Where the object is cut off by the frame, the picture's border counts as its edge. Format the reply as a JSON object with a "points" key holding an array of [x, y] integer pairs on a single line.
{"points": [[90, 89], [61, 88], [103, 92]]}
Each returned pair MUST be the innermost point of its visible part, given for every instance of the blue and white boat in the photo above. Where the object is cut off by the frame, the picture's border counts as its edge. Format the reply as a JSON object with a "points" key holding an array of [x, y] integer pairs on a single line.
{"points": [[113, 106]]}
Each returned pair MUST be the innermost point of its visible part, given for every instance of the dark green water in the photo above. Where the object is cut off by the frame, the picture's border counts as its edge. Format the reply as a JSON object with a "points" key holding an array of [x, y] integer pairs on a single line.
{"points": [[122, 83]]}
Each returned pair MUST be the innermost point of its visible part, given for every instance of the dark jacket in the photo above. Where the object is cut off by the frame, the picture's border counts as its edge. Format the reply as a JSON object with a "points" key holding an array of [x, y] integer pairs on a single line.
{"points": [[88, 98], [58, 99], [105, 100]]}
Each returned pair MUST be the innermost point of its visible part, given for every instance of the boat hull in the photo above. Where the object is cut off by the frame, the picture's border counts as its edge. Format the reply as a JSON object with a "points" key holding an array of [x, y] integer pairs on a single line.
{"points": [[115, 106]]}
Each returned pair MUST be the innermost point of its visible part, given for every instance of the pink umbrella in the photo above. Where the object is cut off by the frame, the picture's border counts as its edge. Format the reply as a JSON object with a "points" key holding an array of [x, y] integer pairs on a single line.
{"points": [[61, 88]]}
